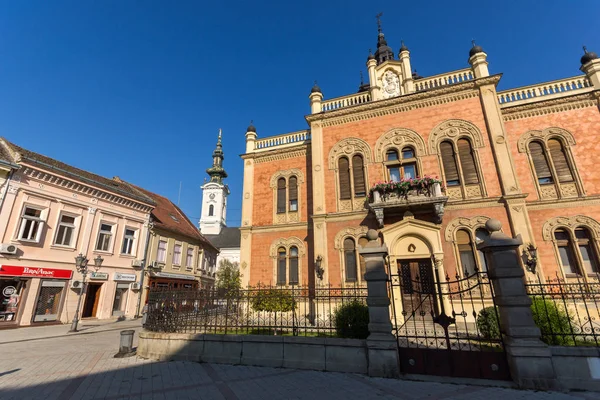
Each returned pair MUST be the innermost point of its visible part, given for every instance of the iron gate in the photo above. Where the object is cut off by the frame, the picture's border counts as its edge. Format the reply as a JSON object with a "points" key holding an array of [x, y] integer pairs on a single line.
{"points": [[435, 322]]}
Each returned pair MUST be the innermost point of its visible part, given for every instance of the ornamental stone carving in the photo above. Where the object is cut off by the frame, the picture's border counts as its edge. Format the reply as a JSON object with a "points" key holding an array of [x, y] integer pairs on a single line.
{"points": [[453, 130], [287, 243], [398, 138], [549, 133], [355, 233], [348, 147], [12, 189], [570, 223], [461, 222], [391, 84], [286, 174]]}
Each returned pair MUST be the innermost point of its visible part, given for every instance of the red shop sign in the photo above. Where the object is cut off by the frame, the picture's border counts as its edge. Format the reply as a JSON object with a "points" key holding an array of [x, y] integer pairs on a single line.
{"points": [[35, 272]]}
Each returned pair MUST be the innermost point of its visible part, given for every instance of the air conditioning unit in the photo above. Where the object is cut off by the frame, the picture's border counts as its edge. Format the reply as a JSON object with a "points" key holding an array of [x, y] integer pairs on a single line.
{"points": [[157, 265], [8, 249], [76, 284], [135, 286], [137, 263]]}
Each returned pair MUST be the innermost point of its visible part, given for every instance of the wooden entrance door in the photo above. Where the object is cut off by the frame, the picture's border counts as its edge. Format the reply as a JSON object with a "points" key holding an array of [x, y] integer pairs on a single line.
{"points": [[96, 301], [92, 298], [417, 288]]}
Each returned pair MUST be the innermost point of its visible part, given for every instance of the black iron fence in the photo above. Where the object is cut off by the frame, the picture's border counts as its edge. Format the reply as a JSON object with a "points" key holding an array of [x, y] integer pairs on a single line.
{"points": [[567, 311], [262, 310]]}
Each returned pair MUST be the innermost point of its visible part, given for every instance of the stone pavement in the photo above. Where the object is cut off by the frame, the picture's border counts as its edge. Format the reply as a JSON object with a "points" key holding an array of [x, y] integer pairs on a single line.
{"points": [[81, 366]]}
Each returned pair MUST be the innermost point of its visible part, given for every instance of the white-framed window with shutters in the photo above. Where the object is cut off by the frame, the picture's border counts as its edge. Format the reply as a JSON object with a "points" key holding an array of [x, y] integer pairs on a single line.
{"points": [[129, 240], [105, 237], [32, 223], [177, 254], [65, 232], [189, 258], [161, 253]]}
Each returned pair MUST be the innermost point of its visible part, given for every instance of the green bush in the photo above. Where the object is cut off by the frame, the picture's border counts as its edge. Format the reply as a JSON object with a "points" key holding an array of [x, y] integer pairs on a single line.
{"points": [[487, 323], [352, 320], [553, 321], [273, 300]]}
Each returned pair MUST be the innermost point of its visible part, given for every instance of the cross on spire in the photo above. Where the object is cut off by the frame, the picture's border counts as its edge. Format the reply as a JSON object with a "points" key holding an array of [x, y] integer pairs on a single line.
{"points": [[378, 16]]}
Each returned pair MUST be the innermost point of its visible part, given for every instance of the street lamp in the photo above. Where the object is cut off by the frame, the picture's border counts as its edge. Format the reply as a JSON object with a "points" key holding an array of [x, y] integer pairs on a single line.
{"points": [[81, 262]]}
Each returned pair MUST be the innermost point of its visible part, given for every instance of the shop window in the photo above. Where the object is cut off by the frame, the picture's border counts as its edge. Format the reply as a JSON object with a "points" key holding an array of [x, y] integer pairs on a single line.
{"points": [[48, 302], [31, 224], [11, 290], [104, 237], [65, 231], [120, 300]]}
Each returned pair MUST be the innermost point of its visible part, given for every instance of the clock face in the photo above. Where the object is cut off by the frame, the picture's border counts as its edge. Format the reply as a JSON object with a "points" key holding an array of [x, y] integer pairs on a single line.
{"points": [[212, 196]]}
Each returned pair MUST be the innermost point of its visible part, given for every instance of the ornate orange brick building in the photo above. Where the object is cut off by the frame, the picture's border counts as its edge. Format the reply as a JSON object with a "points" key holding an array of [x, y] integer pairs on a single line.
{"points": [[456, 152]]}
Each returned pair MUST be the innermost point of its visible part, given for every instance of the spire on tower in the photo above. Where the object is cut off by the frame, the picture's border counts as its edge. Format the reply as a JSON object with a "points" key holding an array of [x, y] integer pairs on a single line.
{"points": [[384, 52], [216, 172]]}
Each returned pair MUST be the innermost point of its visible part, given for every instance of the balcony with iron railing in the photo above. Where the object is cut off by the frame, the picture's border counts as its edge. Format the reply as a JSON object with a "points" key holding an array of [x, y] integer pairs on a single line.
{"points": [[415, 195]]}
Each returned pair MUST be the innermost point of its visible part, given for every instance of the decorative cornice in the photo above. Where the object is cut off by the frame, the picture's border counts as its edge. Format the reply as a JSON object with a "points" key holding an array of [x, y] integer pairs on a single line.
{"points": [[286, 174], [397, 138], [545, 107], [474, 203], [571, 223], [429, 98], [68, 184], [563, 203], [277, 155], [464, 223], [348, 147], [453, 130], [544, 135], [279, 227]]}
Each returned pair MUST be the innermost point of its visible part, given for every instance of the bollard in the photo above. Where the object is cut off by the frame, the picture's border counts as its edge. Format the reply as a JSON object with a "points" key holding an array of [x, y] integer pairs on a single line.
{"points": [[126, 344]]}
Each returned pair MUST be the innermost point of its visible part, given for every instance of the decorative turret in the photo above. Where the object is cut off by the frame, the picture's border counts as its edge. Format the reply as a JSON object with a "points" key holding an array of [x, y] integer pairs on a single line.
{"points": [[590, 65], [216, 172], [383, 52], [250, 137], [404, 57], [316, 97], [478, 61]]}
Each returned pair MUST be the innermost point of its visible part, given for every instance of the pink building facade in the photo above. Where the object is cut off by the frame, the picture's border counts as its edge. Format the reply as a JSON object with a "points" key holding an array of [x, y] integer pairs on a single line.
{"points": [[49, 213]]}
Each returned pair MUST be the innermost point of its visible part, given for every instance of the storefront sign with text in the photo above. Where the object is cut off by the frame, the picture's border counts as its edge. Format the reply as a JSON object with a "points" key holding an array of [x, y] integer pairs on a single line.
{"points": [[35, 272], [124, 277], [99, 276]]}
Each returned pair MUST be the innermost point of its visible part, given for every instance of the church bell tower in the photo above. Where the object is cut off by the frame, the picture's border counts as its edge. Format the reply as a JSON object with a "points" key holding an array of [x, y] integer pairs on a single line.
{"points": [[214, 195]]}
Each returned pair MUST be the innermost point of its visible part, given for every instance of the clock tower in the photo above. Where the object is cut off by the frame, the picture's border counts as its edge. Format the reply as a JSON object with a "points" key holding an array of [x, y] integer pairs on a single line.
{"points": [[214, 195]]}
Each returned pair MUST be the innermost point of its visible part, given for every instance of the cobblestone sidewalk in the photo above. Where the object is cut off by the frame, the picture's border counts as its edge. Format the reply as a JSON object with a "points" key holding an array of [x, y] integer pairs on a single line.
{"points": [[83, 367]]}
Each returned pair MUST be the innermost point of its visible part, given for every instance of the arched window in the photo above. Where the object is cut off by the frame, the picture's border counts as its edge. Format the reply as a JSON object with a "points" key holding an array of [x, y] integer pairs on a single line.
{"points": [[467, 162], [579, 256], [466, 254], [540, 163], [293, 280], [449, 164], [344, 177], [350, 260], [358, 172], [480, 236], [211, 210], [281, 201], [362, 242], [559, 159], [404, 167], [293, 193], [281, 266]]}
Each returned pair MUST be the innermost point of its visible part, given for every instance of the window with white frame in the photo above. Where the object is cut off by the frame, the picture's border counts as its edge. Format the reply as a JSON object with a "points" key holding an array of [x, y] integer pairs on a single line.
{"points": [[65, 231], [177, 255], [189, 259], [31, 224], [104, 237], [161, 254], [128, 241]]}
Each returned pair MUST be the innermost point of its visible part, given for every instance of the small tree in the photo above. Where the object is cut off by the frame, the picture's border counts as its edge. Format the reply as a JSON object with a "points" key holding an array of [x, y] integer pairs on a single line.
{"points": [[229, 279], [274, 300]]}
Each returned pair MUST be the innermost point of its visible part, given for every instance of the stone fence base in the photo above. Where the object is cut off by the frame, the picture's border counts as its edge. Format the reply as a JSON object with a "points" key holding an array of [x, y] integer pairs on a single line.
{"points": [[322, 354], [577, 368]]}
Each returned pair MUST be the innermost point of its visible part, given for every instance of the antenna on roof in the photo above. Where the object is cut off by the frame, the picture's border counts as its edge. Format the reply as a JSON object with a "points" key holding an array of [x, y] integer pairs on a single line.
{"points": [[179, 195]]}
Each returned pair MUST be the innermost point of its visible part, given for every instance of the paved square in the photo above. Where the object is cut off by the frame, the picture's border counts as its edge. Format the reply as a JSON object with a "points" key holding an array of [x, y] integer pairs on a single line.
{"points": [[48, 363]]}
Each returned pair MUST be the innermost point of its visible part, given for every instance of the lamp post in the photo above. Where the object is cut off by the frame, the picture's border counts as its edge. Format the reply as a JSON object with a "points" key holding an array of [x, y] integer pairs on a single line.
{"points": [[81, 262]]}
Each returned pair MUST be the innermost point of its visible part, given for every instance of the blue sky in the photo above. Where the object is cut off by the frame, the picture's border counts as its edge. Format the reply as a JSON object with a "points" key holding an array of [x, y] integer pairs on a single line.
{"points": [[139, 89]]}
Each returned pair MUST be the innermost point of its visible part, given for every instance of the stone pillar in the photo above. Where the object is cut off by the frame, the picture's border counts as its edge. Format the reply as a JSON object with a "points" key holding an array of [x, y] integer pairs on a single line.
{"points": [[381, 343], [529, 359], [404, 56], [479, 65], [250, 139], [371, 64], [316, 97]]}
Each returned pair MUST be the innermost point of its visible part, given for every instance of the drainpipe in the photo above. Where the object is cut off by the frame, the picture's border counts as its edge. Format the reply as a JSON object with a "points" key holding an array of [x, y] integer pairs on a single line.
{"points": [[139, 302]]}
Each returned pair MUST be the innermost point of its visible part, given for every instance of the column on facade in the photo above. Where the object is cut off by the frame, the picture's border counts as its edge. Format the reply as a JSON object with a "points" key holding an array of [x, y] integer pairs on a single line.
{"points": [[513, 197], [404, 57], [247, 207], [371, 65]]}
